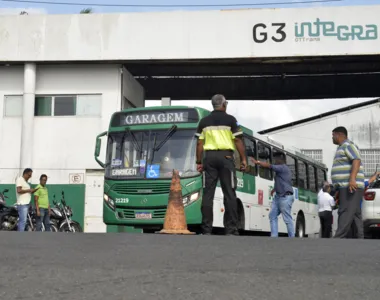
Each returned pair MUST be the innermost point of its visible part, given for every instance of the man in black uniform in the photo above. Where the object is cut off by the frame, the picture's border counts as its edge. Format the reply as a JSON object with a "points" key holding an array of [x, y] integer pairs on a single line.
{"points": [[218, 134]]}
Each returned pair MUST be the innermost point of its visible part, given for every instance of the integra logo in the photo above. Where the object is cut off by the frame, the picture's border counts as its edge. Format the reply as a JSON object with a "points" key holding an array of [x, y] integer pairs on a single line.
{"points": [[319, 29], [314, 31]]}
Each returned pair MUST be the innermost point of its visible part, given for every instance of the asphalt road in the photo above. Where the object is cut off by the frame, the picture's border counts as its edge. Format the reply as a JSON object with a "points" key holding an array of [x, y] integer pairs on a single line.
{"points": [[136, 266]]}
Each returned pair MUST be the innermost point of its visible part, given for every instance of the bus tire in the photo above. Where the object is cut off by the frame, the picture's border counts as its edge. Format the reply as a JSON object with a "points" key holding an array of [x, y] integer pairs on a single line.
{"points": [[241, 217], [300, 226]]}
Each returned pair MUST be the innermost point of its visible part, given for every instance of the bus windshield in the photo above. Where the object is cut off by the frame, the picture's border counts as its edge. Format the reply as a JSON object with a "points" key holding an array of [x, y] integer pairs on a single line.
{"points": [[136, 155]]}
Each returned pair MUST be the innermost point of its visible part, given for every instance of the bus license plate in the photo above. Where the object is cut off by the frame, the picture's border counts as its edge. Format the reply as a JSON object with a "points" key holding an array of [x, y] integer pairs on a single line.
{"points": [[143, 215]]}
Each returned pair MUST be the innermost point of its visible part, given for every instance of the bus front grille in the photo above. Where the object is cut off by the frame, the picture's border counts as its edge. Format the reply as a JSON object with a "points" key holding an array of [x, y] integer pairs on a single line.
{"points": [[144, 188], [131, 214]]}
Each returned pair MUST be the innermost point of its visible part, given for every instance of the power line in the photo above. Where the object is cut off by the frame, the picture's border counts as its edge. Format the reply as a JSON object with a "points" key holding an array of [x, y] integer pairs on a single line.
{"points": [[173, 5]]}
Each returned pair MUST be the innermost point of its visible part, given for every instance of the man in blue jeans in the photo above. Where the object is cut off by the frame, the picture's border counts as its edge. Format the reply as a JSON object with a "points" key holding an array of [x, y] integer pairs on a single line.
{"points": [[24, 195], [283, 200]]}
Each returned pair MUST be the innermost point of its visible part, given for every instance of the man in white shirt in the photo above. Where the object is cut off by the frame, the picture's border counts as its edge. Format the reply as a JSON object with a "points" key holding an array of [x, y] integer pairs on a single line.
{"points": [[325, 207], [24, 196]]}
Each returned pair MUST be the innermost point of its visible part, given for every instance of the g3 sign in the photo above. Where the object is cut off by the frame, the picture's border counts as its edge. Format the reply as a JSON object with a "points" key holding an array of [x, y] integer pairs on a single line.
{"points": [[260, 34]]}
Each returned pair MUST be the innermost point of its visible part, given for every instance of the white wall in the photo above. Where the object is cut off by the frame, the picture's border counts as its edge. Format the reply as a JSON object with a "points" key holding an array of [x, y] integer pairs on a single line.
{"points": [[132, 91], [11, 83], [189, 34], [61, 145], [318, 134]]}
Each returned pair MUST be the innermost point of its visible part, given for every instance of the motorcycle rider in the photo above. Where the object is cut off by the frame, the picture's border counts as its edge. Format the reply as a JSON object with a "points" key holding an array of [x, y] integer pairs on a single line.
{"points": [[41, 199], [24, 195]]}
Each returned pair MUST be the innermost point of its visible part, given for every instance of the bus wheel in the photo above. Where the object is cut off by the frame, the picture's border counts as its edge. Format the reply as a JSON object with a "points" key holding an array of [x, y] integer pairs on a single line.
{"points": [[300, 226], [241, 218]]}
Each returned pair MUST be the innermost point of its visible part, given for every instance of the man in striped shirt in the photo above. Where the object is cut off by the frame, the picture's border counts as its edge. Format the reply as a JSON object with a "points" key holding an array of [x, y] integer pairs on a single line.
{"points": [[347, 176]]}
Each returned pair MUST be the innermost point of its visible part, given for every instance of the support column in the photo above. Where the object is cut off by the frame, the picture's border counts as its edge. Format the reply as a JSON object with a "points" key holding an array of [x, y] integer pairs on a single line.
{"points": [[166, 101], [28, 116]]}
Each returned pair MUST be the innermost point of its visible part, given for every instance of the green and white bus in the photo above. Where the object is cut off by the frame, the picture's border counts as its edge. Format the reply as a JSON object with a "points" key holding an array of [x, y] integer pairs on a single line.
{"points": [[146, 144]]}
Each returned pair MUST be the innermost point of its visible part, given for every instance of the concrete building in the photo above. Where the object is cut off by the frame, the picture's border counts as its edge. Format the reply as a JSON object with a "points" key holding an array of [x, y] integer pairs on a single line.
{"points": [[313, 135], [62, 76], [50, 117]]}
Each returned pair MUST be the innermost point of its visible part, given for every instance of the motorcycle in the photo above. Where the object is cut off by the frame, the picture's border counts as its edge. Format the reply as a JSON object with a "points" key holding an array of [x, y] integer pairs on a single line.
{"points": [[61, 215], [3, 204], [9, 217]]}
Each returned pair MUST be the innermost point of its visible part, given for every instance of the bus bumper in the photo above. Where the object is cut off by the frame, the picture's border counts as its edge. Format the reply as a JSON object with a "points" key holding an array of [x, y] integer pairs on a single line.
{"points": [[112, 217]]}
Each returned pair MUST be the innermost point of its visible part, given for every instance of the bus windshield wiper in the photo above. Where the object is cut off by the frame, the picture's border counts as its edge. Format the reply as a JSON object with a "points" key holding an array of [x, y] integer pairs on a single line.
{"points": [[171, 131], [134, 141], [169, 134]]}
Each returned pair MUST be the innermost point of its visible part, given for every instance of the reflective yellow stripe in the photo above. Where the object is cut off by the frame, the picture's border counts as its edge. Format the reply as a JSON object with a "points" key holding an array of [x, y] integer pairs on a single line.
{"points": [[218, 138]]}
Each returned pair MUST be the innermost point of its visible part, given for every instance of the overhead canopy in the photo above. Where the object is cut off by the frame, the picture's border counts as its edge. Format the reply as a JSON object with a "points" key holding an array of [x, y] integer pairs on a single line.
{"points": [[290, 53], [261, 79]]}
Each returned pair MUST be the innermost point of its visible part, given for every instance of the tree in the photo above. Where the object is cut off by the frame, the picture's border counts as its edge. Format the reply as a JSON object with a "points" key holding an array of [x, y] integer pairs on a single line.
{"points": [[86, 11]]}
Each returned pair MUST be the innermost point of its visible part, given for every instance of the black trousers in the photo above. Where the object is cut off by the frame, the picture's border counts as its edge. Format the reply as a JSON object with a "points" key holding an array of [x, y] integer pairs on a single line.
{"points": [[326, 219], [219, 165]]}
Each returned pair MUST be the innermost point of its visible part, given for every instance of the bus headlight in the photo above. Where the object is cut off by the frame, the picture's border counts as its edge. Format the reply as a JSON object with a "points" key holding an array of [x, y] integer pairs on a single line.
{"points": [[190, 198], [109, 201]]}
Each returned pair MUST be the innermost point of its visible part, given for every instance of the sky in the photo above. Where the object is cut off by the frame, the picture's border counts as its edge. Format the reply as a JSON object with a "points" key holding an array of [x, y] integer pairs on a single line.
{"points": [[257, 115]]}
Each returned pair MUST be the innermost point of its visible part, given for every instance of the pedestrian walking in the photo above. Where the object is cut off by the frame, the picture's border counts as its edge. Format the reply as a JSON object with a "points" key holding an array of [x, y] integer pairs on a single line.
{"points": [[24, 195], [41, 200], [283, 200], [218, 135], [326, 203], [347, 176]]}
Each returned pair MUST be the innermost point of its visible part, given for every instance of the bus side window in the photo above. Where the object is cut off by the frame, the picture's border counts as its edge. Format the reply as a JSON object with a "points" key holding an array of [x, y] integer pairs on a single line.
{"points": [[250, 152], [264, 155], [312, 179], [291, 162], [302, 175], [320, 177], [237, 159]]}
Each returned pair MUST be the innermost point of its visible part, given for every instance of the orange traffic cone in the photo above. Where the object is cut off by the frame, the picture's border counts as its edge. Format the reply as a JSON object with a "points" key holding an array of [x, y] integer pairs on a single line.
{"points": [[175, 219]]}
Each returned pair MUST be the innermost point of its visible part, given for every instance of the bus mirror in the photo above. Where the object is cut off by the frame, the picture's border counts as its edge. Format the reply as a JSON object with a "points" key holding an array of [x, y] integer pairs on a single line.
{"points": [[98, 147]]}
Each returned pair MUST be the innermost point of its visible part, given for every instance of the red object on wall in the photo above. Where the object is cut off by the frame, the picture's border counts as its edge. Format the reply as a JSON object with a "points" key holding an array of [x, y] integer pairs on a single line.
{"points": [[261, 197]]}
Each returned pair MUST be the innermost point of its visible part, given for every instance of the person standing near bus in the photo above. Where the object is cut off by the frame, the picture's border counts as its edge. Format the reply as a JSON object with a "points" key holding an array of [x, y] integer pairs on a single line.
{"points": [[284, 198], [218, 134], [347, 175], [41, 200], [24, 195], [326, 203]]}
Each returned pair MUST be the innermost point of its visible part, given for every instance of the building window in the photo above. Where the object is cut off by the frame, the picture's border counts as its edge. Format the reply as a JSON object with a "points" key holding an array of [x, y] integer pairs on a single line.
{"points": [[13, 106], [316, 154], [42, 106], [370, 161], [65, 106], [68, 105]]}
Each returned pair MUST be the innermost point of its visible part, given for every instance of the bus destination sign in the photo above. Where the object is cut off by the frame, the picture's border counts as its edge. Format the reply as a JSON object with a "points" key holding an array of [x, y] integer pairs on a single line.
{"points": [[154, 117]]}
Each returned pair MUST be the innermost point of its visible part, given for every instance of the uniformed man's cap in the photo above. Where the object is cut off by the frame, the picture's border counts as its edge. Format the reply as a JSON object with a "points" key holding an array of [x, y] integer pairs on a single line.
{"points": [[218, 100]]}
